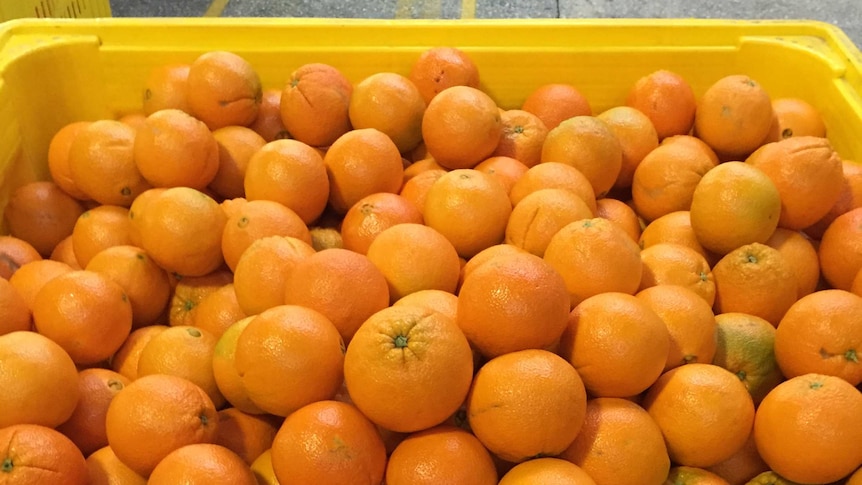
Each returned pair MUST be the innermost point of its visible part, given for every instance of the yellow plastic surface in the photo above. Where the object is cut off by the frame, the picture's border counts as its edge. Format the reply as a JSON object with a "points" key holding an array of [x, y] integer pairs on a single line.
{"points": [[71, 9], [58, 71]]}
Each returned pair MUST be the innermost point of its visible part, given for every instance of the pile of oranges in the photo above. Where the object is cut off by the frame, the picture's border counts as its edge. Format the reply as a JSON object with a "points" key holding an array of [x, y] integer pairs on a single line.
{"points": [[395, 280]]}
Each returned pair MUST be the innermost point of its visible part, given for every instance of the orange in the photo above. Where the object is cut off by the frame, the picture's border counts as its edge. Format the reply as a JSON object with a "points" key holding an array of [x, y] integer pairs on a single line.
{"points": [[87, 313], [15, 252], [236, 145], [440, 454], [442, 67], [704, 412], [360, 163], [223, 89], [674, 228], [590, 145], [306, 366], [734, 116], [742, 466], [850, 197], [690, 475], [104, 468], [615, 432], [40, 379], [181, 231], [808, 174], [506, 170], [486, 255], [41, 214], [675, 264], [185, 352], [125, 360], [667, 99], [190, 291], [689, 320], [32, 276], [268, 122], [540, 214], [86, 426], [595, 256], [263, 471], [137, 212], [822, 333], [840, 250], [461, 127], [247, 435], [166, 87], [797, 117], [512, 303], [102, 163], [525, 404], [612, 360], [390, 103], [734, 204], [856, 477], [421, 165], [321, 281], [804, 426], [100, 228], [258, 219], [217, 311], [754, 279], [58, 158], [263, 269], [524, 134], [694, 142], [373, 214], [637, 137], [155, 415], [289, 172], [800, 254], [224, 368], [667, 177], [175, 149], [555, 103], [328, 442], [408, 368], [15, 314], [34, 454], [469, 208], [314, 104], [437, 300], [553, 175], [146, 285], [547, 471], [64, 253], [413, 257], [202, 463], [622, 214], [135, 119], [746, 348]]}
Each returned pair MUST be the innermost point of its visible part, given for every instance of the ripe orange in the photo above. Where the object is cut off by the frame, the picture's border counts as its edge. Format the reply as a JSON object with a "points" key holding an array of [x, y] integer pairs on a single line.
{"points": [[800, 254], [840, 250], [100, 228], [803, 428], [390, 103], [442, 67], [441, 454], [289, 172], [104, 468], [822, 333], [524, 134], [734, 204], [595, 256], [373, 214], [257, 219], [637, 136], [742, 466], [200, 464], [612, 360], [306, 366], [704, 412], [797, 117], [667, 99], [15, 252], [217, 311], [469, 208], [674, 228], [553, 175], [125, 360], [236, 145], [223, 89], [615, 432], [64, 253], [328, 442], [850, 197], [40, 379], [247, 435], [734, 116], [437, 300], [165, 87], [58, 158], [590, 145], [41, 214], [360, 163], [224, 368], [190, 291], [745, 347], [511, 303], [314, 104], [415, 189], [33, 453], [691, 475], [546, 470], [622, 214], [263, 471], [675, 264], [540, 215], [555, 103], [408, 368], [155, 415], [86, 313], [268, 123], [505, 170], [86, 426], [263, 269], [32, 276], [15, 314]]}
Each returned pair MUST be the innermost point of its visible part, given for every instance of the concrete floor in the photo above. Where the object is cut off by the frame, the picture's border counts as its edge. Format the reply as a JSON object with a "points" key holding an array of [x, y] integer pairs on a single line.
{"points": [[846, 14]]}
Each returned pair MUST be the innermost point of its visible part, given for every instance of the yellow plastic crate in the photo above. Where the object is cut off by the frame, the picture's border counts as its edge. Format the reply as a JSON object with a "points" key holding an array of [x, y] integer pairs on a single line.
{"points": [[56, 71], [72, 9]]}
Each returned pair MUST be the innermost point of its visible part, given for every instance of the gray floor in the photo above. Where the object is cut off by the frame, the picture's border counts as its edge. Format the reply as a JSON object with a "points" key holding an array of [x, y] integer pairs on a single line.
{"points": [[845, 14]]}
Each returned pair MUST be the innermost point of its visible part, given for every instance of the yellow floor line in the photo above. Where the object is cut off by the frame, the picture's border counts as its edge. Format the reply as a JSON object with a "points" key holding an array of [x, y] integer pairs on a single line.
{"points": [[216, 8], [403, 8], [468, 9], [426, 9]]}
